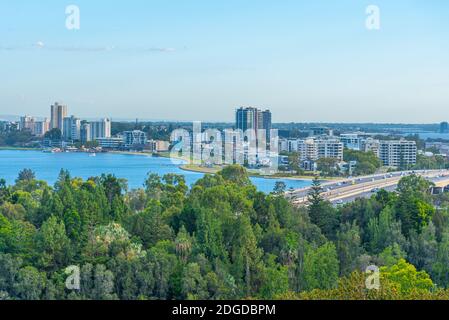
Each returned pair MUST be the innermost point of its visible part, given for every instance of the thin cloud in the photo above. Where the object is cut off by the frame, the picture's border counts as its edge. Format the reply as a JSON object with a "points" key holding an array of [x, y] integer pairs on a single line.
{"points": [[41, 46]]}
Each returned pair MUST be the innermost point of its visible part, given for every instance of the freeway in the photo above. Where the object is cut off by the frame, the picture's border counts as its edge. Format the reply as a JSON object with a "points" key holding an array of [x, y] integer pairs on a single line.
{"points": [[364, 187]]}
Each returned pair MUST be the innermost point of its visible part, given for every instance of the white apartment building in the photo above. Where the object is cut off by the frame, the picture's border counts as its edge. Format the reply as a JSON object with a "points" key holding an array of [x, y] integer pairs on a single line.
{"points": [[71, 128], [398, 153], [371, 145], [308, 150], [37, 128], [41, 127], [100, 129], [330, 148], [351, 141]]}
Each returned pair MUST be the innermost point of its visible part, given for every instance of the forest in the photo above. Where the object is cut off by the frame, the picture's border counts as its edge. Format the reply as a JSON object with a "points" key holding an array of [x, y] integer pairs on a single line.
{"points": [[220, 239]]}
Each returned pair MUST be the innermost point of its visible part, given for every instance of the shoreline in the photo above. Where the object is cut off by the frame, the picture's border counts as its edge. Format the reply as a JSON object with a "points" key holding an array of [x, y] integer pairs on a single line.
{"points": [[18, 149], [198, 169], [193, 168]]}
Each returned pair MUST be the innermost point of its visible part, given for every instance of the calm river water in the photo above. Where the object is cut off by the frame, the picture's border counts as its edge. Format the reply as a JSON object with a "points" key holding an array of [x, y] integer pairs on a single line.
{"points": [[134, 168]]}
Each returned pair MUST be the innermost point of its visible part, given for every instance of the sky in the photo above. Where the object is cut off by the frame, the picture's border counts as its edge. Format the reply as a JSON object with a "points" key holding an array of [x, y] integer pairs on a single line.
{"points": [[198, 60]]}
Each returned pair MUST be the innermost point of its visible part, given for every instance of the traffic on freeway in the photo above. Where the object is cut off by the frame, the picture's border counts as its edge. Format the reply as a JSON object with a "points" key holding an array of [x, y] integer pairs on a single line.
{"points": [[348, 190]]}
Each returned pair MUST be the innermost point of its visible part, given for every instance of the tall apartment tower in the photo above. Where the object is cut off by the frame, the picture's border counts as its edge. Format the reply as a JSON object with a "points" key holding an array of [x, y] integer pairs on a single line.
{"points": [[58, 113], [253, 118], [85, 132]]}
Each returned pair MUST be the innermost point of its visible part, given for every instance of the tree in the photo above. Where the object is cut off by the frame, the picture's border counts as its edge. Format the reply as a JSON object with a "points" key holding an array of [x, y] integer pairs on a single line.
{"points": [[321, 212], [235, 174], [247, 256], [5, 233], [54, 135], [97, 283], [194, 286], [274, 279], [26, 175], [348, 247], [150, 226], [280, 188], [9, 269], [30, 284], [367, 162], [384, 231], [328, 167], [407, 278], [321, 267], [440, 268], [423, 248], [412, 207], [52, 245]]}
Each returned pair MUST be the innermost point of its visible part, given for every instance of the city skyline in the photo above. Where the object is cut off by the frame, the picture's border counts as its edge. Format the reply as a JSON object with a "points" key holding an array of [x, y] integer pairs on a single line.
{"points": [[307, 62]]}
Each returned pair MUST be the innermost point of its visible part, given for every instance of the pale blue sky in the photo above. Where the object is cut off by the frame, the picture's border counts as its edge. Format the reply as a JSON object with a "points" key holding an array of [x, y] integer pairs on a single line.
{"points": [[200, 59]]}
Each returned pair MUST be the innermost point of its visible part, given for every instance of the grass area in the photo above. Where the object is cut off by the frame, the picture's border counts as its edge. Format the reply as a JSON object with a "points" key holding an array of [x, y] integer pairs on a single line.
{"points": [[215, 169]]}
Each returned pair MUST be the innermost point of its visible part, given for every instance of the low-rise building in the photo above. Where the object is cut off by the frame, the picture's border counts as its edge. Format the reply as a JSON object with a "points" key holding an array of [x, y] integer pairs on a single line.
{"points": [[134, 139], [110, 143]]}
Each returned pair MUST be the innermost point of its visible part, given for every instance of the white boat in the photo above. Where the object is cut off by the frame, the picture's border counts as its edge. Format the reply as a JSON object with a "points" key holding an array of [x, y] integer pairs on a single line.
{"points": [[92, 155]]}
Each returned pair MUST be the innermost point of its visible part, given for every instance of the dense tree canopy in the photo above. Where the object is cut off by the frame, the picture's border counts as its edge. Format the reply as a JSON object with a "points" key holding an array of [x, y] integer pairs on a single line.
{"points": [[219, 239]]}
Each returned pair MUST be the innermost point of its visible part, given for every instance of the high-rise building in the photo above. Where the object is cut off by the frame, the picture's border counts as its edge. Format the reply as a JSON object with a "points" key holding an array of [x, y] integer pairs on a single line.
{"points": [[100, 129], [400, 153], [72, 128], [444, 127], [58, 113], [253, 118], [85, 134]]}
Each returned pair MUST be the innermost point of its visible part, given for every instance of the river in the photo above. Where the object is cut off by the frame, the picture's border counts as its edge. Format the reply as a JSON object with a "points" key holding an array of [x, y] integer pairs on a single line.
{"points": [[133, 168]]}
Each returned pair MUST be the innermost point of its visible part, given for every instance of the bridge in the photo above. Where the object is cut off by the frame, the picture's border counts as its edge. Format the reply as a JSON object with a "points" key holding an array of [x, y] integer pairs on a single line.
{"points": [[348, 190]]}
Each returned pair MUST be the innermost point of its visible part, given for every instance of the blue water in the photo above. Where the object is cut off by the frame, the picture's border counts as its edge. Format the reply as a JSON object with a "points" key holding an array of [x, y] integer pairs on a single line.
{"points": [[133, 168]]}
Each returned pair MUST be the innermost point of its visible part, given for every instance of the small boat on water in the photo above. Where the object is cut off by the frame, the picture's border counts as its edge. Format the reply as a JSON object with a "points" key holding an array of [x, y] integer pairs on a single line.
{"points": [[92, 155]]}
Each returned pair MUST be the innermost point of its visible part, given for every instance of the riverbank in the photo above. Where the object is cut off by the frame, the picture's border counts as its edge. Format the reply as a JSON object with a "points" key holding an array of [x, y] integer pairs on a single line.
{"points": [[134, 168], [215, 169], [6, 148], [132, 153]]}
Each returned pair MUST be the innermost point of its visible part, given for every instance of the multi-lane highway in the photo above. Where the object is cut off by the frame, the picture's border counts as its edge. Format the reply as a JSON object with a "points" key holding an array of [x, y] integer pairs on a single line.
{"points": [[348, 190]]}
